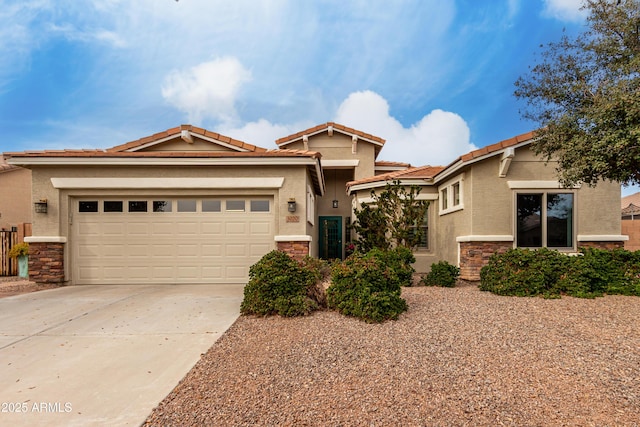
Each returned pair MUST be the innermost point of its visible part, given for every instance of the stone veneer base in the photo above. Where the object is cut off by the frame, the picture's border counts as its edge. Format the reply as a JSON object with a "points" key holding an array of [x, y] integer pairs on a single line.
{"points": [[46, 262], [297, 250], [475, 255]]}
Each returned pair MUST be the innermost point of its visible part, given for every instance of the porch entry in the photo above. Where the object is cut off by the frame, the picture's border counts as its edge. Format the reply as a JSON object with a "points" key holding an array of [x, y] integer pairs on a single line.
{"points": [[330, 239]]}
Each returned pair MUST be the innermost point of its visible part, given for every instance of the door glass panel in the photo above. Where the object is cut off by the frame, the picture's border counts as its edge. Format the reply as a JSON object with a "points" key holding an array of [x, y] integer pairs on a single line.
{"points": [[112, 206], [259, 206], [211, 206], [559, 220], [88, 206], [186, 205], [138, 206], [162, 206], [235, 205], [529, 207]]}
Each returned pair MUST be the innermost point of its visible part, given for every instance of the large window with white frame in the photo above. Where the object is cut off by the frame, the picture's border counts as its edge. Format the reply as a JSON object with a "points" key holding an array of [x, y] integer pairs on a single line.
{"points": [[545, 219], [451, 197]]}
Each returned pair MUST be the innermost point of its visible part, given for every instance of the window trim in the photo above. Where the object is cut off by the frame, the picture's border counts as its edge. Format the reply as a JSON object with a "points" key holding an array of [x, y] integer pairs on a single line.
{"points": [[446, 196], [543, 219]]}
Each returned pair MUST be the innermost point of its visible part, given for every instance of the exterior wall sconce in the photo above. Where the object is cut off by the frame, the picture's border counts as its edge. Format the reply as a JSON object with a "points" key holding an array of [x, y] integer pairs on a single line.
{"points": [[335, 204], [291, 205], [41, 206]]}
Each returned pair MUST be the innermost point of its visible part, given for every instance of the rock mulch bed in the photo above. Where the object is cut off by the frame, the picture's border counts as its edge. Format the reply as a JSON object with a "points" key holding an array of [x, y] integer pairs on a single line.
{"points": [[457, 357], [13, 285]]}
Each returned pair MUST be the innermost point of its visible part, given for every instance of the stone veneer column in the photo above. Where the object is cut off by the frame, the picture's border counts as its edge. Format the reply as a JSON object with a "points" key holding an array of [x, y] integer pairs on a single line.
{"points": [[297, 250], [295, 245], [46, 260], [475, 255]]}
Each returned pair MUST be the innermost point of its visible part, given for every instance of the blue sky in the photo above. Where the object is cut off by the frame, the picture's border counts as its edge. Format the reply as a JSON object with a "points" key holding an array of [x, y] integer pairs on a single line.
{"points": [[434, 78]]}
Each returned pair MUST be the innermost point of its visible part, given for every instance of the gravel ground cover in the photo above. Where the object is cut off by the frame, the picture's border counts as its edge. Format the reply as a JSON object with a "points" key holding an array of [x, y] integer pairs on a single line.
{"points": [[458, 357], [13, 285]]}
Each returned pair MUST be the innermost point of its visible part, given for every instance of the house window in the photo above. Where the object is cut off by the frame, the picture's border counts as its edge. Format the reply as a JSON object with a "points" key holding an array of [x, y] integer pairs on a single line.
{"points": [[423, 227], [544, 220], [451, 196]]}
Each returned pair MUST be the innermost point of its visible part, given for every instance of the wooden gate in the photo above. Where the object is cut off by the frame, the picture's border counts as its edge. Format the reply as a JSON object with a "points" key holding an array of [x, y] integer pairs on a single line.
{"points": [[8, 266]]}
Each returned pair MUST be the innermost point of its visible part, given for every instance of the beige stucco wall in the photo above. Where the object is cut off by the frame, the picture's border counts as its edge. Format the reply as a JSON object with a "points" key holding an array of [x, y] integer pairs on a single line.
{"points": [[15, 197], [339, 147], [55, 222]]}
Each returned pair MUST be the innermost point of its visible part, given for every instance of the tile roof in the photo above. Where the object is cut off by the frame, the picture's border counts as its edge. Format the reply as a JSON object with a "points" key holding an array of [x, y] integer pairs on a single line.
{"points": [[320, 128], [387, 163], [163, 154], [176, 131], [631, 209], [497, 146], [632, 199], [421, 172], [4, 167]]}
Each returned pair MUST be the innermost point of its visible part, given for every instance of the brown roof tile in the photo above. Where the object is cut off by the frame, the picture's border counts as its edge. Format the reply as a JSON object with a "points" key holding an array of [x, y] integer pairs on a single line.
{"points": [[176, 131], [632, 199], [161, 154], [387, 163], [324, 126], [496, 147], [421, 172]]}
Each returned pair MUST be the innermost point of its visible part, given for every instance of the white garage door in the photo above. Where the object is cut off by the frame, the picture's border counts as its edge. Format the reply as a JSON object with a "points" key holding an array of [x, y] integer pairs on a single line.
{"points": [[169, 240]]}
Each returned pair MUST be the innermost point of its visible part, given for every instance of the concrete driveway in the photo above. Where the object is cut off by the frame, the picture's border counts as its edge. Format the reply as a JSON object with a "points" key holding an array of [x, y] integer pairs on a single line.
{"points": [[96, 355]]}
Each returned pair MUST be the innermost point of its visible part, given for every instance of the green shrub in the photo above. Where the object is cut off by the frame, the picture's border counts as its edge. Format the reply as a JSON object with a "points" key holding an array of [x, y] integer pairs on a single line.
{"points": [[278, 284], [592, 273], [364, 286], [399, 260], [19, 249], [442, 274]]}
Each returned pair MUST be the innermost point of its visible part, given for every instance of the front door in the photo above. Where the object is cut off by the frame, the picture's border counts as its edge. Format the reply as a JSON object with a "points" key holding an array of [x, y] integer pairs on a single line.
{"points": [[330, 237]]}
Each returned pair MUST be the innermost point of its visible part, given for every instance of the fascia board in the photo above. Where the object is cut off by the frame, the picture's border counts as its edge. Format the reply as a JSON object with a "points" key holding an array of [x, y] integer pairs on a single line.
{"points": [[152, 161], [166, 183]]}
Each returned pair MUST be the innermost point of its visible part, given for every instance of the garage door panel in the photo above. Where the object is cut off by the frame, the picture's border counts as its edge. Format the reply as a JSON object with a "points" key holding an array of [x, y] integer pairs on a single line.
{"points": [[260, 228], [209, 250], [169, 247], [236, 227], [211, 228], [257, 250]]}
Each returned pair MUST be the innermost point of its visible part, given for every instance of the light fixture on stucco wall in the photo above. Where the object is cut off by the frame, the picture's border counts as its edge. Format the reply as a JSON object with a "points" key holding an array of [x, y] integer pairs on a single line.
{"points": [[291, 205], [41, 206]]}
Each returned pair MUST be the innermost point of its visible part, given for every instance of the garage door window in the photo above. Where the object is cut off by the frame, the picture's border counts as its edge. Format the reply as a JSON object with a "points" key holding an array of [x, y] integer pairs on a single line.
{"points": [[211, 206], [88, 206], [235, 205], [138, 206], [112, 206], [162, 205], [186, 205], [259, 206]]}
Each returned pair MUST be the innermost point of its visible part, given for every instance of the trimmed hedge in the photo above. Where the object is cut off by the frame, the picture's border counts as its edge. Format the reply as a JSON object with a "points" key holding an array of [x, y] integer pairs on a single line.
{"points": [[369, 286], [278, 284], [441, 274], [592, 273]]}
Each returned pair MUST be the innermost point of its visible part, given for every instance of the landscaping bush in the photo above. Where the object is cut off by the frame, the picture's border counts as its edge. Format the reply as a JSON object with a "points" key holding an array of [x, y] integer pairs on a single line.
{"points": [[442, 274], [364, 286], [278, 284], [399, 260], [592, 273]]}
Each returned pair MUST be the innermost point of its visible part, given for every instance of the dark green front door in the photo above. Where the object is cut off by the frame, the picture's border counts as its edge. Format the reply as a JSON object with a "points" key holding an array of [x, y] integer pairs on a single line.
{"points": [[330, 237]]}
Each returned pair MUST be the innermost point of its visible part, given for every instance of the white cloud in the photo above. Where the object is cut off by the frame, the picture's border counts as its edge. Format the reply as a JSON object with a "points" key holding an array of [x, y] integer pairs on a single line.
{"points": [[437, 139], [564, 10], [262, 132], [207, 90]]}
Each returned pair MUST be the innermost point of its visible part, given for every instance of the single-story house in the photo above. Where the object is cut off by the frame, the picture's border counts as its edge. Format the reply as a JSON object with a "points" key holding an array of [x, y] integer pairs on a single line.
{"points": [[192, 206]]}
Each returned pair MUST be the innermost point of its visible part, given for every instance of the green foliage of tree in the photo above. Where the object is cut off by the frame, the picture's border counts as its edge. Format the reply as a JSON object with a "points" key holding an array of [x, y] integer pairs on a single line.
{"points": [[392, 219], [585, 95]]}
